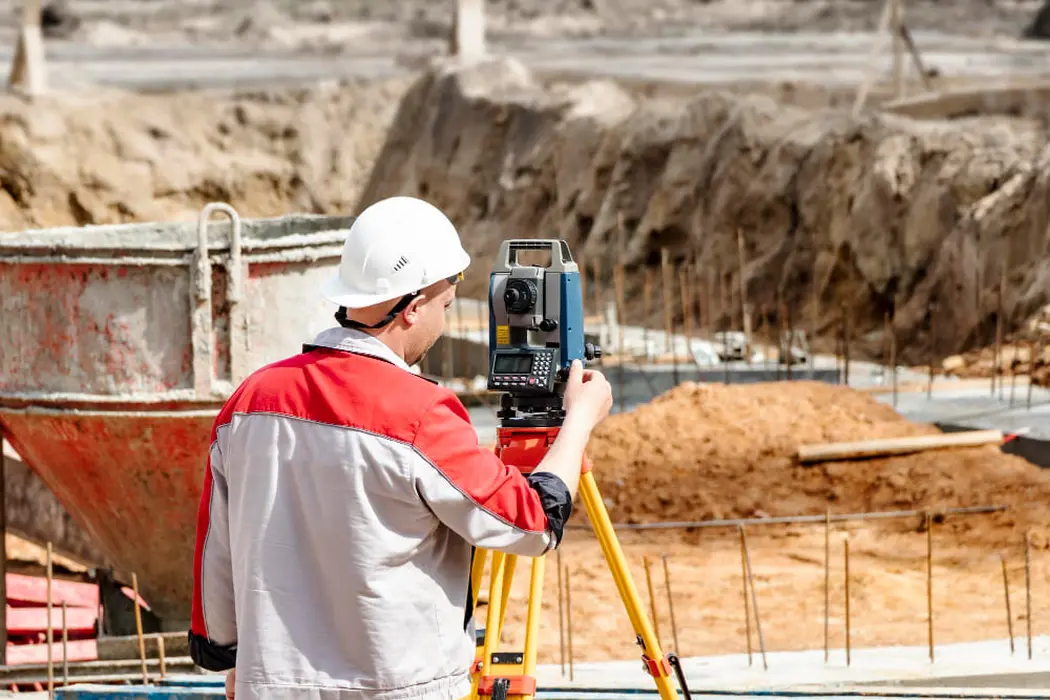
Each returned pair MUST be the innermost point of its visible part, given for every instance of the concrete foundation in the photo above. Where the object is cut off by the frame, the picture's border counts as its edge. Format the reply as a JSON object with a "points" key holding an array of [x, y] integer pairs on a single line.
{"points": [[971, 670]]}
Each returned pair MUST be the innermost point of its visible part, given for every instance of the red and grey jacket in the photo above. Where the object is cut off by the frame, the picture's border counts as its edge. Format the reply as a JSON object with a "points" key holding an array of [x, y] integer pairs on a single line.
{"points": [[342, 500]]}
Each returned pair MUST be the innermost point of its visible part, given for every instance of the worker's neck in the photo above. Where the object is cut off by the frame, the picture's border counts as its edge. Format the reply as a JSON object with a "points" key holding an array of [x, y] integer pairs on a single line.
{"points": [[391, 338]]}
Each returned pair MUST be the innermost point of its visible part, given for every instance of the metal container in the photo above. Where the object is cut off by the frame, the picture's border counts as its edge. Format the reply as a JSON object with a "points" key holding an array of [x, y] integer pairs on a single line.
{"points": [[120, 345]]}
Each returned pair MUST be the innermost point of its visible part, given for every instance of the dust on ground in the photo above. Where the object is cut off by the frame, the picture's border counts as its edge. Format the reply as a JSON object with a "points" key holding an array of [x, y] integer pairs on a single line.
{"points": [[701, 452]]}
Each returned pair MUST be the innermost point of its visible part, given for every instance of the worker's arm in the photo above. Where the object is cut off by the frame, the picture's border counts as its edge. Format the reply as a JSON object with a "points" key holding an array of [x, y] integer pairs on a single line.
{"points": [[213, 627], [490, 504], [587, 401]]}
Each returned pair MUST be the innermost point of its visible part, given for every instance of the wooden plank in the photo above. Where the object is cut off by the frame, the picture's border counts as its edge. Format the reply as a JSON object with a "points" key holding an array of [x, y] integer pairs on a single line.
{"points": [[834, 451]]}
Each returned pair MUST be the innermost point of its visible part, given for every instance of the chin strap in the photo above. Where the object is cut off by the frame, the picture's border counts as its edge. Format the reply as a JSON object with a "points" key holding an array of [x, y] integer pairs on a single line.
{"points": [[341, 317]]}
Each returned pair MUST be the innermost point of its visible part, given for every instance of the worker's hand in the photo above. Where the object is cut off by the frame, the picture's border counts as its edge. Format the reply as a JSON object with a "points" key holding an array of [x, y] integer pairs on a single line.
{"points": [[587, 395], [231, 682]]}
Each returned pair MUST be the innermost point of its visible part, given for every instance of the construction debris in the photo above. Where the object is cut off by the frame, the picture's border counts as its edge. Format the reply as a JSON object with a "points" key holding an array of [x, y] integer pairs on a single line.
{"points": [[1024, 353]]}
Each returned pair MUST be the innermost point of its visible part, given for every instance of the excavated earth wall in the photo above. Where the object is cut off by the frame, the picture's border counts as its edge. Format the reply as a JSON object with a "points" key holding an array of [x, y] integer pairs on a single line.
{"points": [[108, 156], [867, 216]]}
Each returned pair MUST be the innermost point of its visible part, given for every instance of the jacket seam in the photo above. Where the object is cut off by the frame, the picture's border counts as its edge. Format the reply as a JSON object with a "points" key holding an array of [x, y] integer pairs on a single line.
{"points": [[297, 682], [207, 537], [458, 488], [409, 445]]}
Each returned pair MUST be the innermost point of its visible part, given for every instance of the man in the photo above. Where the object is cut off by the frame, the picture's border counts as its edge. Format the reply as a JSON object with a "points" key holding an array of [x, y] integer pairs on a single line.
{"points": [[344, 494]]}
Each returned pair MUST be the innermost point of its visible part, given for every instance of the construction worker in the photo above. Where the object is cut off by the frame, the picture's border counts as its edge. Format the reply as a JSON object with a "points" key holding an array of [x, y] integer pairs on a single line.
{"points": [[344, 494]]}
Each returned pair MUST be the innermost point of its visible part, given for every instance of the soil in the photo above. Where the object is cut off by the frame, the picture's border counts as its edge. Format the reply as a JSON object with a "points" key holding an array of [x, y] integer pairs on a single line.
{"points": [[710, 451], [876, 214], [843, 220], [701, 452], [887, 593], [107, 156]]}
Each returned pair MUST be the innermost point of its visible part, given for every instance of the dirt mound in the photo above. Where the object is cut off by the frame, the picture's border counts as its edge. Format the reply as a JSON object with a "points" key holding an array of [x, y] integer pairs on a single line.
{"points": [[712, 451], [707, 451], [110, 157], [864, 216]]}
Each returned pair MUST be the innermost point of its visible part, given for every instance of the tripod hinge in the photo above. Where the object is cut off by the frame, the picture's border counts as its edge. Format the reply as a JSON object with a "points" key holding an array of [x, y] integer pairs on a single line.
{"points": [[657, 668], [516, 685]]}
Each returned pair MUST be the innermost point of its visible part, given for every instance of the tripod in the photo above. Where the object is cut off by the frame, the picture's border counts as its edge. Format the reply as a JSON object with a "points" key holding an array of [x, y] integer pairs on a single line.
{"points": [[504, 675]]}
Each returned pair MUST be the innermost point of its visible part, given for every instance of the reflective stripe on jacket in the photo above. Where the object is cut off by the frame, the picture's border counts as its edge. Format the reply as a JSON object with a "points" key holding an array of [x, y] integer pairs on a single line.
{"points": [[342, 498]]}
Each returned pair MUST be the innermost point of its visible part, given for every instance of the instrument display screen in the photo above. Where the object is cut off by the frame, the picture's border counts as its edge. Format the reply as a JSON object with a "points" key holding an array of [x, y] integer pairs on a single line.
{"points": [[517, 363]]}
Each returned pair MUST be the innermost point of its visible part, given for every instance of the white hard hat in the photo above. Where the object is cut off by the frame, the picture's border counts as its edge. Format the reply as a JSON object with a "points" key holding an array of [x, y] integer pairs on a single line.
{"points": [[397, 246]]}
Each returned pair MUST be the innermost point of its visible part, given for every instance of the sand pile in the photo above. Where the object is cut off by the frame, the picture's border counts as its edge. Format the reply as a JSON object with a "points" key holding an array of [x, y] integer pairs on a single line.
{"points": [[705, 451], [869, 215], [710, 451], [108, 156]]}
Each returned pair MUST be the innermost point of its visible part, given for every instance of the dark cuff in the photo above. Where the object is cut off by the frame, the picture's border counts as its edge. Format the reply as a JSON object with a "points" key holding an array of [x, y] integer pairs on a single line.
{"points": [[557, 503], [211, 656]]}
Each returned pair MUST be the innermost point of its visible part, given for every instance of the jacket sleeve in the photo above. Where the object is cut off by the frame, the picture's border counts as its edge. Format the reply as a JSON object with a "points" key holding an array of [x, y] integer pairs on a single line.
{"points": [[213, 625], [475, 494]]}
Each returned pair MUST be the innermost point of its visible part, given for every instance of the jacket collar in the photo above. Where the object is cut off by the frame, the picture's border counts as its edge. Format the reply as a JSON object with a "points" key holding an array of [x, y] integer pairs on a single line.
{"points": [[357, 342]]}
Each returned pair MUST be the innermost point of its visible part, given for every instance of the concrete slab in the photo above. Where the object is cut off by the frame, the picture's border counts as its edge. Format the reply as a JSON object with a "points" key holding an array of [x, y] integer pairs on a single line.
{"points": [[695, 55], [806, 671], [972, 670], [978, 407]]}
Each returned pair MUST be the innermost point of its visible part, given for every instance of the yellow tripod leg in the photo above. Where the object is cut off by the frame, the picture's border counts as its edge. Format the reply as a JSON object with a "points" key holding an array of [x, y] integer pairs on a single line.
{"points": [[511, 561], [617, 562], [492, 619], [532, 623], [477, 572], [516, 669]]}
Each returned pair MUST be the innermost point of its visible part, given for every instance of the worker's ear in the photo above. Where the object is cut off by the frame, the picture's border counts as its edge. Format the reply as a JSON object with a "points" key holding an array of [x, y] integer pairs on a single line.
{"points": [[410, 314]]}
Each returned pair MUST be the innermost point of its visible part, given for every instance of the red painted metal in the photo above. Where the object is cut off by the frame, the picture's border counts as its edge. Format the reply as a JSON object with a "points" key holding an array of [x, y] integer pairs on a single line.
{"points": [[33, 621], [79, 650], [110, 357], [132, 480], [32, 590], [120, 345]]}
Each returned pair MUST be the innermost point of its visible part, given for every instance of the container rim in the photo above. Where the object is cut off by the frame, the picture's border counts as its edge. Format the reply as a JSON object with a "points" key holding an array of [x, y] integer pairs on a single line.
{"points": [[290, 231]]}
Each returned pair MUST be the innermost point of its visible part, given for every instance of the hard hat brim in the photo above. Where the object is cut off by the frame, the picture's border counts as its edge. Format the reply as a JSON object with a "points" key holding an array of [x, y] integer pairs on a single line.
{"points": [[335, 290]]}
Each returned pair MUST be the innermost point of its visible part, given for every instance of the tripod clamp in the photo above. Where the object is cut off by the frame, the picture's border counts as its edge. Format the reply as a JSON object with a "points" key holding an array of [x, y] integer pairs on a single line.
{"points": [[656, 668], [668, 664]]}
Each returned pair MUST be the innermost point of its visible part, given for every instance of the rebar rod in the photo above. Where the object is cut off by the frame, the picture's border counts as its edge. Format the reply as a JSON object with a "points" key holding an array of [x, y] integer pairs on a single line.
{"points": [[792, 519]]}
